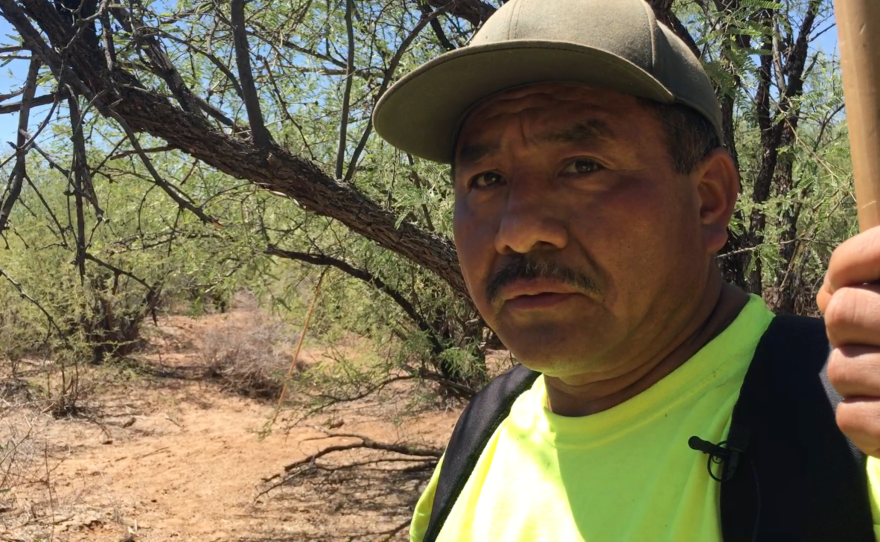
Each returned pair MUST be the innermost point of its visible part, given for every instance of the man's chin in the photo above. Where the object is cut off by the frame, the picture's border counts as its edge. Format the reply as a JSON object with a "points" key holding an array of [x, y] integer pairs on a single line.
{"points": [[550, 354]]}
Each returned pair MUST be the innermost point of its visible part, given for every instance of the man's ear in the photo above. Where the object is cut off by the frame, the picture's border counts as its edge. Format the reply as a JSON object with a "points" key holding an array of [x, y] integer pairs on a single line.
{"points": [[718, 186]]}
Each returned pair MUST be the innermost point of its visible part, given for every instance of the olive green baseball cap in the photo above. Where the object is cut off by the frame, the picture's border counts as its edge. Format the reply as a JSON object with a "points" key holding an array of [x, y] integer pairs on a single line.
{"points": [[617, 44]]}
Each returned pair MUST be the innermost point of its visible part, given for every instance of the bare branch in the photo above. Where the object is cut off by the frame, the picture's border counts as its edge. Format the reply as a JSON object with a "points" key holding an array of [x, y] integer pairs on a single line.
{"points": [[49, 210], [438, 29], [130, 152], [346, 95], [259, 134], [151, 290], [163, 66], [219, 64], [429, 455], [280, 38], [52, 163], [45, 99], [20, 169], [386, 82], [77, 179], [84, 177]]}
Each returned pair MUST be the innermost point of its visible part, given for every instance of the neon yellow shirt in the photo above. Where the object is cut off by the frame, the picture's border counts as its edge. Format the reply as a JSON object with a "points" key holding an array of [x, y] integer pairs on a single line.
{"points": [[623, 474]]}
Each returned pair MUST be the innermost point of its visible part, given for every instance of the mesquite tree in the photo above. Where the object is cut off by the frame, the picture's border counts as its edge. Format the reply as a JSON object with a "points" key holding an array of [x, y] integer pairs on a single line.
{"points": [[250, 125]]}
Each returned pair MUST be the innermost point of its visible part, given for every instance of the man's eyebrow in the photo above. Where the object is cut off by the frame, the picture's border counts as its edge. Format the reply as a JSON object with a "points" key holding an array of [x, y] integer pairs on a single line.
{"points": [[470, 154], [587, 131]]}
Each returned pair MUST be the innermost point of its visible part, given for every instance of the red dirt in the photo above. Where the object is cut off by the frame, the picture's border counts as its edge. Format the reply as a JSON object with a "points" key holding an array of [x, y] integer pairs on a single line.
{"points": [[175, 458]]}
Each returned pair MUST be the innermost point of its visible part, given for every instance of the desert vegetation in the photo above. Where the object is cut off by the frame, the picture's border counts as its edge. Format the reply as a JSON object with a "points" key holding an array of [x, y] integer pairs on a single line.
{"points": [[187, 183]]}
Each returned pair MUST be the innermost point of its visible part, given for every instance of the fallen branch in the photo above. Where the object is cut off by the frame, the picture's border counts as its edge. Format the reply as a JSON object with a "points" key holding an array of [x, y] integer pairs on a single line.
{"points": [[427, 456]]}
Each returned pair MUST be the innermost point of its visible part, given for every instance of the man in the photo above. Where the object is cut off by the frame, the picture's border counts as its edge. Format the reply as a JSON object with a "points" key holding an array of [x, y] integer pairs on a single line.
{"points": [[591, 196]]}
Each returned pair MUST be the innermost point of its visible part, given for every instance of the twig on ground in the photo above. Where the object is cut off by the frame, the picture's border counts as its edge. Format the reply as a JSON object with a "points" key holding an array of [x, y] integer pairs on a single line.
{"points": [[417, 454]]}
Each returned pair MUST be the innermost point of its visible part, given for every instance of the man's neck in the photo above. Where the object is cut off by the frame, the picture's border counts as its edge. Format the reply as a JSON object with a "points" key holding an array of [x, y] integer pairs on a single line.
{"points": [[718, 312]]}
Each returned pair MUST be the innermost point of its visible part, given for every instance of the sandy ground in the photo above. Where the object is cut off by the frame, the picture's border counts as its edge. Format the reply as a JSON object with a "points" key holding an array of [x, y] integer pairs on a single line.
{"points": [[172, 457]]}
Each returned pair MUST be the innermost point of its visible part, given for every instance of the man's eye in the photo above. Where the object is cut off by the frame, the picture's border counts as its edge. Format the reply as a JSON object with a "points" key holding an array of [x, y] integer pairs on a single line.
{"points": [[485, 180], [581, 167]]}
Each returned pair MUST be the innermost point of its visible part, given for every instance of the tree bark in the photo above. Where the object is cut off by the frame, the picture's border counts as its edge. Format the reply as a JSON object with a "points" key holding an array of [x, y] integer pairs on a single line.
{"points": [[118, 93], [475, 12]]}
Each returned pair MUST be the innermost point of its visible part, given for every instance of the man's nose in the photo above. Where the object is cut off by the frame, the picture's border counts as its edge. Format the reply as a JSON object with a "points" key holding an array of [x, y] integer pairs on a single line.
{"points": [[531, 221]]}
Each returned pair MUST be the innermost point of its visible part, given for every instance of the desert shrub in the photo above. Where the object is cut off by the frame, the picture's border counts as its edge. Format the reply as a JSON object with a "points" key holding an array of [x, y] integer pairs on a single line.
{"points": [[248, 355]]}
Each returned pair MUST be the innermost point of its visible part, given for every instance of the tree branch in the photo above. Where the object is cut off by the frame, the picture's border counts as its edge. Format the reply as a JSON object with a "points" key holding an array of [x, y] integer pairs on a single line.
{"points": [[386, 82], [475, 12], [163, 66], [663, 12], [24, 295], [45, 99], [346, 95], [160, 182], [77, 179], [20, 169], [438, 29], [365, 276], [259, 134], [271, 168]]}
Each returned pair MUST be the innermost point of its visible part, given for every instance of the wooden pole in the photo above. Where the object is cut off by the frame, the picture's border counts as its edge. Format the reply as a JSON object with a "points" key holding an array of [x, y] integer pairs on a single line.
{"points": [[299, 344], [858, 28]]}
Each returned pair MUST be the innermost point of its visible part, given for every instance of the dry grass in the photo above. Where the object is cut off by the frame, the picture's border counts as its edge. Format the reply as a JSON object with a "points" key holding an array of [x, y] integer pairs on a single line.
{"points": [[248, 355], [27, 465]]}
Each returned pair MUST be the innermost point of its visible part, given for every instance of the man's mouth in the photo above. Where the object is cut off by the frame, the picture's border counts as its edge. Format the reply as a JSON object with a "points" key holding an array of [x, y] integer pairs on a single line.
{"points": [[536, 294], [537, 301]]}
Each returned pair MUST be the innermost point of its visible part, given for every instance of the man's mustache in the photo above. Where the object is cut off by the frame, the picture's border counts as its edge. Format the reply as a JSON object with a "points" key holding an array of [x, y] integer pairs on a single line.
{"points": [[524, 267]]}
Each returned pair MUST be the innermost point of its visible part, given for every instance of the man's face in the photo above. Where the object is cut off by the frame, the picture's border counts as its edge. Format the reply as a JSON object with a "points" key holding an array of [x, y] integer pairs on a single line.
{"points": [[580, 244]]}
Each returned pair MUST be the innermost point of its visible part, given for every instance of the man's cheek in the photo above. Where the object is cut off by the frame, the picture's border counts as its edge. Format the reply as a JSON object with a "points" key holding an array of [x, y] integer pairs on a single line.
{"points": [[474, 240]]}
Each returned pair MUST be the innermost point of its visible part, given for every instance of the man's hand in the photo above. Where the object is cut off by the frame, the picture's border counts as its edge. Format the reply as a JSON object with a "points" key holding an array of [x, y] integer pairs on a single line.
{"points": [[850, 300]]}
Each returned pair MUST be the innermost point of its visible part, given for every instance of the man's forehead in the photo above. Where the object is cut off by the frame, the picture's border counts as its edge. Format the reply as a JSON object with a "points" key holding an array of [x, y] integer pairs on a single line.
{"points": [[545, 103], [544, 98], [557, 92], [551, 113]]}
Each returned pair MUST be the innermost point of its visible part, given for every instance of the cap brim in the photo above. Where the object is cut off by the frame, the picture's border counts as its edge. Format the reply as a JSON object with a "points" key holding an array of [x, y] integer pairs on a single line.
{"points": [[421, 113]]}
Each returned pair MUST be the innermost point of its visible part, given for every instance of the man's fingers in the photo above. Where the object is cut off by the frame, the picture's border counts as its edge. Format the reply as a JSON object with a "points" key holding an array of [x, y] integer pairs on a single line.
{"points": [[852, 316], [856, 261], [859, 419], [854, 371], [823, 297]]}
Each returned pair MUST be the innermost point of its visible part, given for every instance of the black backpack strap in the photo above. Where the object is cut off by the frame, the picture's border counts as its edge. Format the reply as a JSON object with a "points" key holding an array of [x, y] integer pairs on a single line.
{"points": [[799, 478], [472, 432]]}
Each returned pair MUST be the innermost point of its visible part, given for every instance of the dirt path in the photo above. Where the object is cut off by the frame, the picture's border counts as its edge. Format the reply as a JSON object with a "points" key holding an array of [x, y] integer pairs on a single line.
{"points": [[174, 458]]}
